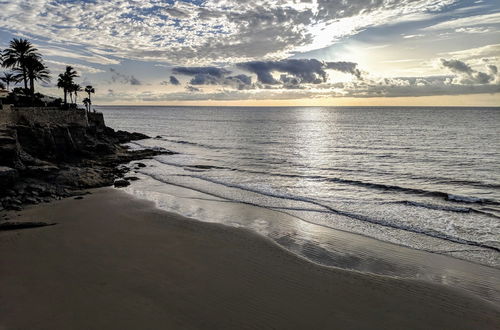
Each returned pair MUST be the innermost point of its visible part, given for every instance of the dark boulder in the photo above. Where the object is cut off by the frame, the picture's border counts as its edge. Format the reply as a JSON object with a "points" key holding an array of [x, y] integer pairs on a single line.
{"points": [[8, 177], [121, 183]]}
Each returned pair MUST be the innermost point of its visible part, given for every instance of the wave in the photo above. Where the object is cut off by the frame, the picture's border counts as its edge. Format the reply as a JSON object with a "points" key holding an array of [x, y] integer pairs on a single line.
{"points": [[371, 185], [325, 209], [436, 180], [446, 208], [208, 146]]}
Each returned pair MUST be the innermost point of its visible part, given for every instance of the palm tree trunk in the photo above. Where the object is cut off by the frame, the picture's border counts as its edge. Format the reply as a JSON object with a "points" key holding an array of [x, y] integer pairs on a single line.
{"points": [[32, 86], [65, 96], [25, 78], [32, 90]]}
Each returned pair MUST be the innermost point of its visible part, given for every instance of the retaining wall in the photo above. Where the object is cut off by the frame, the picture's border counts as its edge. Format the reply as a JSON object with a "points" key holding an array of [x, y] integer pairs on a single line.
{"points": [[43, 116]]}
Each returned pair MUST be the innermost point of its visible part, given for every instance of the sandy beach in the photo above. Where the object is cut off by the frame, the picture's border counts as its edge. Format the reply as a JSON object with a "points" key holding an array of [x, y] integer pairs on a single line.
{"points": [[116, 262]]}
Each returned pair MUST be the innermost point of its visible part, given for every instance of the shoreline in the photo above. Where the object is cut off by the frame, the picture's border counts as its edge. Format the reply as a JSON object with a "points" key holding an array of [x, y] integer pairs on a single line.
{"points": [[326, 246], [345, 231], [111, 254]]}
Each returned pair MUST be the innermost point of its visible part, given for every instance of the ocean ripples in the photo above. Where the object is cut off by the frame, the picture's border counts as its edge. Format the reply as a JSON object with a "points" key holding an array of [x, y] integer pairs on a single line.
{"points": [[374, 171]]}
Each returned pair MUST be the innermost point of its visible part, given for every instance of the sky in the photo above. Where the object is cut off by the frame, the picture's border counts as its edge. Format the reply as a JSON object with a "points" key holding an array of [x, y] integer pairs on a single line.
{"points": [[260, 52]]}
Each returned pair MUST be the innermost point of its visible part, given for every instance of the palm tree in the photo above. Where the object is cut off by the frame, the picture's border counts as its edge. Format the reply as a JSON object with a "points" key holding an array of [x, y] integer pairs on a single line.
{"points": [[89, 90], [75, 88], [16, 56], [36, 70], [8, 78], [65, 81], [61, 83], [86, 102]]}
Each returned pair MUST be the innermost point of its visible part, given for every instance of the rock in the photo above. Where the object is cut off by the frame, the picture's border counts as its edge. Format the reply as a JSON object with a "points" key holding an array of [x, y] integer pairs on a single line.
{"points": [[8, 177], [43, 162], [78, 198], [23, 225], [31, 200], [124, 137], [43, 170], [131, 178], [35, 187], [9, 148], [121, 183], [14, 207]]}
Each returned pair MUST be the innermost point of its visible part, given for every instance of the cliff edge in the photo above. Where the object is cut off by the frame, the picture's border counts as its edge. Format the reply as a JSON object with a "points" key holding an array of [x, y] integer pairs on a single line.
{"points": [[45, 160]]}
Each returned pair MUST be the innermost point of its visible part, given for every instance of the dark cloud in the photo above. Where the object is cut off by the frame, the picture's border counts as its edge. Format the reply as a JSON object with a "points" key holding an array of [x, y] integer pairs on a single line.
{"points": [[468, 76], [174, 81], [456, 66], [201, 70], [294, 73], [134, 81], [240, 81], [205, 79], [171, 81], [345, 67], [298, 71], [205, 75], [493, 69], [296, 78], [211, 75], [190, 88], [123, 78]]}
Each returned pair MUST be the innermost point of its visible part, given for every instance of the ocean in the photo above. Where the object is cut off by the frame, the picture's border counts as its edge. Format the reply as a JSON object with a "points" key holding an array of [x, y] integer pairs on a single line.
{"points": [[425, 178]]}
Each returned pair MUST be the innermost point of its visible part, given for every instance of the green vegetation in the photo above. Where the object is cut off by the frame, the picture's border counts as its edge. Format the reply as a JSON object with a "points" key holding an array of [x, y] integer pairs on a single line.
{"points": [[8, 78], [65, 81], [27, 67]]}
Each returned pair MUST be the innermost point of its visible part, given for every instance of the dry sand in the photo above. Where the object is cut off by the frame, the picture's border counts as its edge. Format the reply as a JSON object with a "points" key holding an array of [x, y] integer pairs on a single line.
{"points": [[115, 262]]}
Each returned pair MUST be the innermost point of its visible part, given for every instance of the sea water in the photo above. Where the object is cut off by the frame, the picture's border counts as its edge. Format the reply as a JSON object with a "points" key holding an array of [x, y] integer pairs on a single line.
{"points": [[422, 177]]}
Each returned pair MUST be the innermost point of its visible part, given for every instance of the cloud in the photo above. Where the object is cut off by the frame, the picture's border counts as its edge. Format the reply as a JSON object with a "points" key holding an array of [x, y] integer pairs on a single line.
{"points": [[473, 30], [193, 89], [240, 81], [202, 75], [488, 51], [76, 54], [345, 67], [293, 73], [393, 87], [174, 81], [211, 75], [411, 36], [202, 31], [468, 76], [297, 71], [207, 70], [463, 80], [456, 66], [59, 66], [134, 81], [463, 22], [123, 78], [415, 87]]}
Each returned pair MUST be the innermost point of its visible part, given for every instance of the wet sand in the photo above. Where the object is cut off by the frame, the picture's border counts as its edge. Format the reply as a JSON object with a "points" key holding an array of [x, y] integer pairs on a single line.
{"points": [[116, 262]]}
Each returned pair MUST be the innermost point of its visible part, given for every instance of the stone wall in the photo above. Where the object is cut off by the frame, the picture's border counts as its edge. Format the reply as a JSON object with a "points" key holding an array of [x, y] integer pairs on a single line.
{"points": [[43, 116], [96, 119]]}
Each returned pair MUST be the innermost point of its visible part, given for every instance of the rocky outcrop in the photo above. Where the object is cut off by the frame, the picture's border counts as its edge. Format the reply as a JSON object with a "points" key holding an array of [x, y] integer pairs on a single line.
{"points": [[40, 163]]}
